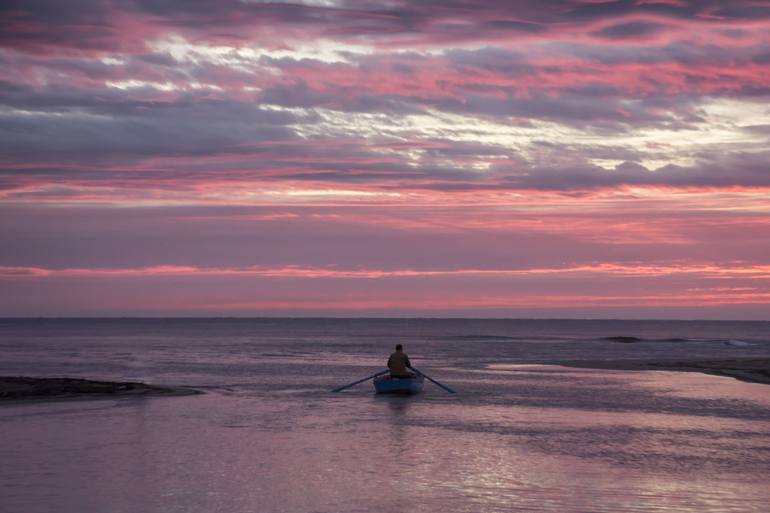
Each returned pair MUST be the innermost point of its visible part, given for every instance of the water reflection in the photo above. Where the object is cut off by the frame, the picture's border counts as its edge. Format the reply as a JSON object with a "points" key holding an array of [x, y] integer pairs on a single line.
{"points": [[397, 404], [549, 442]]}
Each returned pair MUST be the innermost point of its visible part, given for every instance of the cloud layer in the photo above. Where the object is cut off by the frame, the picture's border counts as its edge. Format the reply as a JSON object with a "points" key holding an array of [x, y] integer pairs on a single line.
{"points": [[433, 137]]}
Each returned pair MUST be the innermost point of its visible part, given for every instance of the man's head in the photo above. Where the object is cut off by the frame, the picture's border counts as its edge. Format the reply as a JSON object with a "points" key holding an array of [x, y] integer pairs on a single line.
{"points": [[399, 347]]}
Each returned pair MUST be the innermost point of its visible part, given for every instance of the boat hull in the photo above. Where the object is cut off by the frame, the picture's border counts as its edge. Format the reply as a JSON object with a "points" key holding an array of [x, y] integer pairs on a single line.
{"points": [[406, 386]]}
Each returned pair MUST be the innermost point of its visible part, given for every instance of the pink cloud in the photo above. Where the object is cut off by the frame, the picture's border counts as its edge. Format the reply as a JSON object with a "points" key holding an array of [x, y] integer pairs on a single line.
{"points": [[758, 272]]}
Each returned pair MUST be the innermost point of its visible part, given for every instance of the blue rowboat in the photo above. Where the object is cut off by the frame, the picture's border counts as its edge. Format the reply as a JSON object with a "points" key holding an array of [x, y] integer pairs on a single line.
{"points": [[387, 385]]}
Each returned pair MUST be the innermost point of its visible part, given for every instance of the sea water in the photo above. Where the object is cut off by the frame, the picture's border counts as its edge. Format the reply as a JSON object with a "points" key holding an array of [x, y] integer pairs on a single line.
{"points": [[521, 434]]}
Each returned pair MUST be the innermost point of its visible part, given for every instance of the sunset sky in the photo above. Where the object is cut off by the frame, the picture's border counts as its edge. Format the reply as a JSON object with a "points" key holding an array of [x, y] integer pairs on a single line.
{"points": [[553, 158]]}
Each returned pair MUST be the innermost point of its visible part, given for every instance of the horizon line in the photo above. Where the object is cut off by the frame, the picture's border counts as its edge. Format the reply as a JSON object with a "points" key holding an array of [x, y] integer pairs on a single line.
{"points": [[342, 318]]}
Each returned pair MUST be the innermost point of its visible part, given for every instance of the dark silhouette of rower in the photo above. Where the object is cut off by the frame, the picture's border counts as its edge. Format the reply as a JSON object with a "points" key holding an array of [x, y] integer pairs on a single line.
{"points": [[399, 363]]}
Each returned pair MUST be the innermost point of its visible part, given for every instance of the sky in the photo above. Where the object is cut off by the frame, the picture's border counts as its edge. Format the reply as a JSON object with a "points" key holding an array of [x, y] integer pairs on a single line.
{"points": [[552, 158]]}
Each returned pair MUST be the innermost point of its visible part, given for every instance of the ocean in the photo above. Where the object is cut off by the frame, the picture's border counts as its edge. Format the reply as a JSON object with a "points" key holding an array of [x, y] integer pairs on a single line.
{"points": [[520, 434]]}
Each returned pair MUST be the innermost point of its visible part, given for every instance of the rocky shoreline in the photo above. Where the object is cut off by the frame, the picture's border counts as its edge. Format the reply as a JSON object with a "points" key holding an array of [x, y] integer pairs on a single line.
{"points": [[15, 388], [752, 370]]}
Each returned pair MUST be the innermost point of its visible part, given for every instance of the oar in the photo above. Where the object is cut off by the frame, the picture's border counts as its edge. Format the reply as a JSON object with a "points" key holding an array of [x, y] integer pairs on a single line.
{"points": [[360, 381], [434, 381]]}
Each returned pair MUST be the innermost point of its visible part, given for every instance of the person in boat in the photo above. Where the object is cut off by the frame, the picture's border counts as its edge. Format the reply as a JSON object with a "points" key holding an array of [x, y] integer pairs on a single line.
{"points": [[399, 364]]}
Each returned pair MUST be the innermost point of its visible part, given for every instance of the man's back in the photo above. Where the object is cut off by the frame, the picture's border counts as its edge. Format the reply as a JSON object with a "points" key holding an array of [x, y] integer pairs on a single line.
{"points": [[398, 364]]}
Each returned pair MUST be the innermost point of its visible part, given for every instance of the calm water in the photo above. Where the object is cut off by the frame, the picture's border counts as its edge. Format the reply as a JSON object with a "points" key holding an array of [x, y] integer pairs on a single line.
{"points": [[269, 437]]}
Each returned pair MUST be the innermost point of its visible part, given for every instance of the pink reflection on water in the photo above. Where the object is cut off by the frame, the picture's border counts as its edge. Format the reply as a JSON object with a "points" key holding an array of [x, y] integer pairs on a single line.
{"points": [[485, 450]]}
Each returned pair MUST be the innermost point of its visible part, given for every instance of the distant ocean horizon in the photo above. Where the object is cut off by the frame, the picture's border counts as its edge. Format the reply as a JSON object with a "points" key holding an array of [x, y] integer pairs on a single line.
{"points": [[376, 317], [36, 339]]}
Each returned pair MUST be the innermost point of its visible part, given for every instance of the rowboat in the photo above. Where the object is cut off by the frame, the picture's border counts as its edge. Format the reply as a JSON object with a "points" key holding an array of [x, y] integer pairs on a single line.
{"points": [[384, 384], [387, 385]]}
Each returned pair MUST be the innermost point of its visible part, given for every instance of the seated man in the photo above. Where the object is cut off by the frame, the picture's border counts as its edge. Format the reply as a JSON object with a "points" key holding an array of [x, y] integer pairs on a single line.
{"points": [[398, 363]]}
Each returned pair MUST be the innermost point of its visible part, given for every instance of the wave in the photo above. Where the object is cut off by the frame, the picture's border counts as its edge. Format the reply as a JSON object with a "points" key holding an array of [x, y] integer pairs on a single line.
{"points": [[479, 337], [624, 339], [617, 339]]}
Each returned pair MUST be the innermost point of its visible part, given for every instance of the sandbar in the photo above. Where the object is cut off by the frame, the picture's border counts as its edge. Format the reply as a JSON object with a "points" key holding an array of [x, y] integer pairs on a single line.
{"points": [[16, 388], [753, 370]]}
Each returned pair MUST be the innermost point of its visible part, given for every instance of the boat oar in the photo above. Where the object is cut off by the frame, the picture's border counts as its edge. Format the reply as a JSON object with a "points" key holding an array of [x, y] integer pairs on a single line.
{"points": [[360, 381], [434, 381]]}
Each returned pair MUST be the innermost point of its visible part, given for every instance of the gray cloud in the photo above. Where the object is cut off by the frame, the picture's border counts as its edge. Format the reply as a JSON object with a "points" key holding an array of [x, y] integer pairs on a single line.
{"points": [[632, 29], [712, 170], [69, 124], [88, 24]]}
